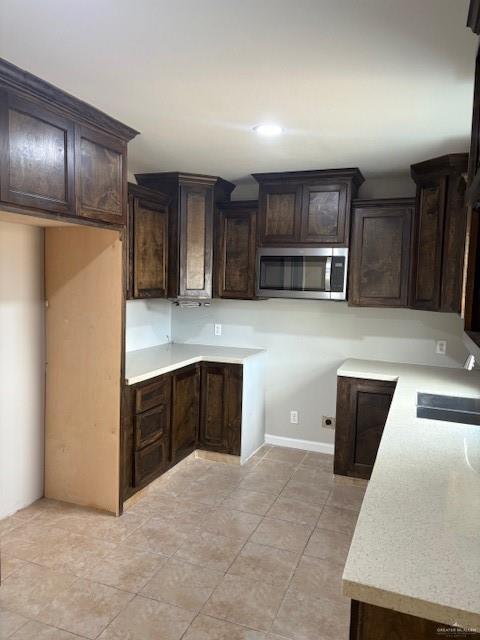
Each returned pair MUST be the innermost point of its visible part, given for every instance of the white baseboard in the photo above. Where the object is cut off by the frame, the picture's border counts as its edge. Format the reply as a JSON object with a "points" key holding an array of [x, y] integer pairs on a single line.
{"points": [[296, 443]]}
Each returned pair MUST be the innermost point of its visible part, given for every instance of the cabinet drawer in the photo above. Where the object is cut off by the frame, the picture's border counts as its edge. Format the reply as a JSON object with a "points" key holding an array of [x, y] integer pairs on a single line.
{"points": [[152, 395], [150, 462], [151, 425]]}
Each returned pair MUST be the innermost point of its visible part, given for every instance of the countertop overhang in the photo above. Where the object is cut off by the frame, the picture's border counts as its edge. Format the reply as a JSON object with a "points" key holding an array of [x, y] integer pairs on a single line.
{"points": [[144, 364], [416, 546]]}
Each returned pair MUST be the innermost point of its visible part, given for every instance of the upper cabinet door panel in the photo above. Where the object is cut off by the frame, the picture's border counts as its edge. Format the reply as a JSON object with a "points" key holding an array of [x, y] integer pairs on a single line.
{"points": [[196, 243], [428, 246], [100, 176], [279, 213], [149, 249], [38, 162], [324, 213], [236, 254]]}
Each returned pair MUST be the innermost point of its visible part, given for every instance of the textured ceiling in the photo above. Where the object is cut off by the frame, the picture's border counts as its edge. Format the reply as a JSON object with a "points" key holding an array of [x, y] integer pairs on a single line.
{"points": [[377, 84]]}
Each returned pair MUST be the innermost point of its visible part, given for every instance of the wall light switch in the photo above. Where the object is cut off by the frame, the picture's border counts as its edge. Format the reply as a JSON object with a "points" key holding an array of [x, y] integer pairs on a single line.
{"points": [[218, 329], [293, 417], [441, 347]]}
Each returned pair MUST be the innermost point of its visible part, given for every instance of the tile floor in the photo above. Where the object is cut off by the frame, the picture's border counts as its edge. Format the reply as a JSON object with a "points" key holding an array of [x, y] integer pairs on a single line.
{"points": [[211, 552]]}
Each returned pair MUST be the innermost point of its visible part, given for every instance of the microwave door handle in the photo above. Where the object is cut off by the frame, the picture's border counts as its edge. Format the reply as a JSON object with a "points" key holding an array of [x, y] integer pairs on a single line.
{"points": [[328, 274]]}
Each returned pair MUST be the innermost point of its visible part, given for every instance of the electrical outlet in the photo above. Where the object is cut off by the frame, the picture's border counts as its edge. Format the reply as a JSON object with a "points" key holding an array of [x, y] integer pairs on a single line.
{"points": [[217, 328], [441, 347], [328, 422], [294, 417]]}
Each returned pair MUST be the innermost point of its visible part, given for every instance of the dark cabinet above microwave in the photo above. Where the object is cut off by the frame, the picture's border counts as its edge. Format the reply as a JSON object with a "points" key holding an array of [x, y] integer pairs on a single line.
{"points": [[190, 229], [306, 208]]}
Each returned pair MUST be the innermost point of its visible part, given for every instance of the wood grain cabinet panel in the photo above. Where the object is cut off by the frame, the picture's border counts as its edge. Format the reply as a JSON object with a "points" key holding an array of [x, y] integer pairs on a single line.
{"points": [[38, 166], [150, 462], [310, 208], [190, 229], [100, 176], [221, 408], [235, 250], [370, 622], [185, 411], [148, 243], [362, 410], [439, 233], [380, 252]]}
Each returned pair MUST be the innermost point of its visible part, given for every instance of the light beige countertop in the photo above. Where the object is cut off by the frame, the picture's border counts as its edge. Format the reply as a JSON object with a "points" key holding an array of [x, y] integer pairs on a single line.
{"points": [[147, 363], [416, 546]]}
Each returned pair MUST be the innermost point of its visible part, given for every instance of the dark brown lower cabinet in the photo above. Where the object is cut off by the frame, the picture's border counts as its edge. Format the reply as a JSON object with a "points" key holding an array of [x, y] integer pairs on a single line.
{"points": [[362, 409], [221, 404], [369, 622], [185, 411], [168, 417]]}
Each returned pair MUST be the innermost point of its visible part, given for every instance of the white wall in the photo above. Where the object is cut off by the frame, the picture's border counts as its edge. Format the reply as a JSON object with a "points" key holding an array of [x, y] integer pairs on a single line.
{"points": [[307, 340], [22, 365], [148, 323]]}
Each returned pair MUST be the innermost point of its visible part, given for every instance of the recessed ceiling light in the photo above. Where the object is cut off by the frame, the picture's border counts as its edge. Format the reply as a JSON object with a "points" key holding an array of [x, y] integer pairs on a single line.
{"points": [[268, 129]]}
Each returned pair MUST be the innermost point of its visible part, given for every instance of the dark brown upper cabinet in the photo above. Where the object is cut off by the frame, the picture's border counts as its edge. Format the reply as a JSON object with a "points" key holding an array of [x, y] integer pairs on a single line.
{"points": [[59, 157], [362, 410], [190, 254], [439, 233], [309, 208], [380, 249], [221, 407], [148, 242], [234, 256]]}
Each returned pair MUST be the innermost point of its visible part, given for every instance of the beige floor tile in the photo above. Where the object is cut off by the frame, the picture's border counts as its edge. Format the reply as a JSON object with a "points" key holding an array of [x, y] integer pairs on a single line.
{"points": [[277, 468], [338, 519], [295, 511], [329, 545], [231, 523], [267, 564], [75, 554], [319, 461], [210, 551], [10, 622], [318, 578], [125, 568], [284, 454], [27, 541], [9, 524], [182, 584], [31, 587], [249, 501], [314, 475], [263, 483], [38, 631], [161, 535], [315, 495], [263, 450], [346, 497], [207, 628], [282, 534], [246, 602], [146, 619], [8, 565], [102, 526], [86, 608], [302, 618]]}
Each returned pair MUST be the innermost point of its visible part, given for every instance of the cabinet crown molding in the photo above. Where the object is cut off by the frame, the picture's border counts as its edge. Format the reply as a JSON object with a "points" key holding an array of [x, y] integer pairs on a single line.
{"points": [[29, 85], [352, 173], [449, 163], [151, 194], [383, 202], [181, 177]]}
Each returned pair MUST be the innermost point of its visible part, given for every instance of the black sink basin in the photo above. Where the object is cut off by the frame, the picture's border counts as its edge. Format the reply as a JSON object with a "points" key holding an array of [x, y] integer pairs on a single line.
{"points": [[448, 408]]}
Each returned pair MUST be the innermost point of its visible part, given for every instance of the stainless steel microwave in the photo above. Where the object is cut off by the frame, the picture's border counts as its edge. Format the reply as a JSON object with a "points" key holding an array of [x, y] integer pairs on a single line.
{"points": [[319, 274]]}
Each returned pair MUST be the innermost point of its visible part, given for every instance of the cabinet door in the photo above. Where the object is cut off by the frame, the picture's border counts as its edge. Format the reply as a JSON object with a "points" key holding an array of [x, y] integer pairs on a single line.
{"points": [[38, 159], [324, 214], [185, 411], [150, 462], [235, 264], [428, 245], [196, 241], [362, 410], [380, 257], [279, 213], [221, 408], [100, 176], [148, 254]]}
